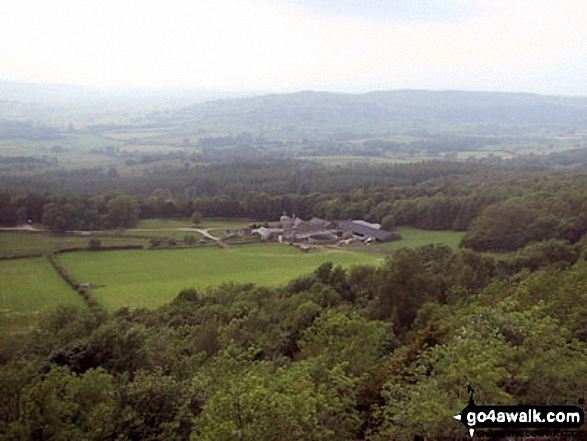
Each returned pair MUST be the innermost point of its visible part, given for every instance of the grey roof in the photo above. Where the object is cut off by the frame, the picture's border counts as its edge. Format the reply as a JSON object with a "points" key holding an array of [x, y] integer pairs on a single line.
{"points": [[321, 222], [365, 231]]}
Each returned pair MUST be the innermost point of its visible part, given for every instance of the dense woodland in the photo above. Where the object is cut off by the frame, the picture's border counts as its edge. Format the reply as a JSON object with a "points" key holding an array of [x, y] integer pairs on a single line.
{"points": [[501, 208]]}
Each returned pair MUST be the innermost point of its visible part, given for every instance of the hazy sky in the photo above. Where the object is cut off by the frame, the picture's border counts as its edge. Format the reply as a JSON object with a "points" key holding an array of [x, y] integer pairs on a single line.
{"points": [[286, 45]]}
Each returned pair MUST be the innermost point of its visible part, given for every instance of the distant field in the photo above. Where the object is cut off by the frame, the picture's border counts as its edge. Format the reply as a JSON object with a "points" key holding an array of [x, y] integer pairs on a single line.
{"points": [[414, 237], [134, 134], [345, 160], [77, 150], [148, 279], [480, 154], [156, 147], [28, 289]]}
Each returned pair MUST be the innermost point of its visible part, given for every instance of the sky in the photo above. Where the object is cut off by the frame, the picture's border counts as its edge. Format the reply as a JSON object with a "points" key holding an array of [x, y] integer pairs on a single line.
{"points": [[356, 46]]}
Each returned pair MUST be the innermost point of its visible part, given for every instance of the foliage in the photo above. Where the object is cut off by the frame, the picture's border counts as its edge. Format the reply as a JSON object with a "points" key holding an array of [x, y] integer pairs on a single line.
{"points": [[196, 217], [95, 244]]}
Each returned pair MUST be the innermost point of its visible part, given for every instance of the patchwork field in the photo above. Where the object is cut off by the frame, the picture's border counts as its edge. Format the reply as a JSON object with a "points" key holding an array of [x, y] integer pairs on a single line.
{"points": [[148, 278], [345, 160], [28, 289]]}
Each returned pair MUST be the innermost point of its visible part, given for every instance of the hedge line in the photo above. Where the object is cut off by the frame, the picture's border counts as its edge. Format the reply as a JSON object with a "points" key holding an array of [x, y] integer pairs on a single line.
{"points": [[101, 248], [21, 256], [86, 294]]}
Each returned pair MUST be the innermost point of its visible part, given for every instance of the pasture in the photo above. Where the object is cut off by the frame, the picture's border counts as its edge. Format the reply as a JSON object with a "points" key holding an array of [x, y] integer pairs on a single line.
{"points": [[28, 289], [415, 237], [149, 278], [20, 242], [166, 224]]}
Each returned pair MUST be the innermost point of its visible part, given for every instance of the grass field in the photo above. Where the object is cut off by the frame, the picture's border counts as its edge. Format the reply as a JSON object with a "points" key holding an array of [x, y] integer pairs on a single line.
{"points": [[216, 224], [414, 237], [14, 243], [185, 223], [146, 278], [221, 224], [22, 242], [28, 289], [178, 235], [165, 223]]}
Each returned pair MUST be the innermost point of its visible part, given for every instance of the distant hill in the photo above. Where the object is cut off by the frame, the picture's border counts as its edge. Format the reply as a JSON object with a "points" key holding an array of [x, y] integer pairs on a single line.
{"points": [[380, 110], [299, 115]]}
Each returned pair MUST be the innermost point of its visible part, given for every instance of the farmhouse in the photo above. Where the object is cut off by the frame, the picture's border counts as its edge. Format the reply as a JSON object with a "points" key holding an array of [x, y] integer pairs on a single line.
{"points": [[313, 231], [320, 231]]}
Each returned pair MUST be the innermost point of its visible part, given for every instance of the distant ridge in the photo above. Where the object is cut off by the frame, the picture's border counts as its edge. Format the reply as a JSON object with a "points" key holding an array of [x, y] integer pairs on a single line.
{"points": [[379, 111], [385, 107]]}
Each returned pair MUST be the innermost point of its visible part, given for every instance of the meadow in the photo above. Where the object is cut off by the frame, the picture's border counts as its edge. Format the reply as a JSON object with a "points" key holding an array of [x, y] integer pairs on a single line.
{"points": [[18, 243], [185, 223], [149, 278], [415, 237], [30, 288]]}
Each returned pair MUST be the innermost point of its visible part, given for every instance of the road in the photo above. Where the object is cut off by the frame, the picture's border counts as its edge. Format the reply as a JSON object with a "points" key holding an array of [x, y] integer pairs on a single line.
{"points": [[204, 232]]}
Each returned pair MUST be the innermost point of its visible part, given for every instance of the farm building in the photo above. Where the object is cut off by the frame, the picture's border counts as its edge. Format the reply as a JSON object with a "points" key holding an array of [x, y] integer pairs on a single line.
{"points": [[320, 231], [315, 230], [365, 231], [267, 233]]}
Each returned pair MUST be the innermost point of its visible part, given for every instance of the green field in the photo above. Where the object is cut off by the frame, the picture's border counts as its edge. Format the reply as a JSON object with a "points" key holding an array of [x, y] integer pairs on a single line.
{"points": [[415, 237], [164, 224], [185, 223], [16, 243], [225, 223], [24, 242], [147, 278], [28, 289], [162, 233]]}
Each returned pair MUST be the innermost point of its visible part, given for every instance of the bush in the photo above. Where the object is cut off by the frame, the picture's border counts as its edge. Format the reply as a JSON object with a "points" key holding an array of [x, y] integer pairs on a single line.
{"points": [[196, 217], [95, 244], [155, 242]]}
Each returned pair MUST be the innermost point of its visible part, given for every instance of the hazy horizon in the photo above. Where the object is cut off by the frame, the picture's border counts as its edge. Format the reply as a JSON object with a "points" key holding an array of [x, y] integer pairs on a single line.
{"points": [[271, 46]]}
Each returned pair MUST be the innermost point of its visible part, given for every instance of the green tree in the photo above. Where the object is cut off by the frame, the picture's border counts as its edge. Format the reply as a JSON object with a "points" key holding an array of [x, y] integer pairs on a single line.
{"points": [[64, 405], [350, 339], [196, 217], [122, 211]]}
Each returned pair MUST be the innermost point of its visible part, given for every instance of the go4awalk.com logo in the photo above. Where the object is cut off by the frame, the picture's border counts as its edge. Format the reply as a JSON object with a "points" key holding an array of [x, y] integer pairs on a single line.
{"points": [[519, 417]]}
